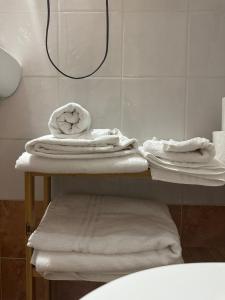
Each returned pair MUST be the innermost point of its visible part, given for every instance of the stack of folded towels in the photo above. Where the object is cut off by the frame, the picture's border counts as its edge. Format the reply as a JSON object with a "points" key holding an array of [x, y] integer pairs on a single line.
{"points": [[187, 162], [100, 238], [72, 138]]}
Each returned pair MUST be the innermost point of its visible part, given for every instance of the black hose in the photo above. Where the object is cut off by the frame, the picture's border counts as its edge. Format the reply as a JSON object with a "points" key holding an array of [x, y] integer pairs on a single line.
{"points": [[106, 49]]}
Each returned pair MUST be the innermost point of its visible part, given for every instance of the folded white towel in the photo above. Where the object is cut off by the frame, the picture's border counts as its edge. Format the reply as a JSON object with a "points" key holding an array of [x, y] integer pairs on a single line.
{"points": [[97, 143], [69, 120], [75, 276], [194, 144], [104, 234], [200, 150], [133, 163], [208, 174]]}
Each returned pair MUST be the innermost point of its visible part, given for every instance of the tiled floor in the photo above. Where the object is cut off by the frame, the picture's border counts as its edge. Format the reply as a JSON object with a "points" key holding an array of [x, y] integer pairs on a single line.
{"points": [[202, 230]]}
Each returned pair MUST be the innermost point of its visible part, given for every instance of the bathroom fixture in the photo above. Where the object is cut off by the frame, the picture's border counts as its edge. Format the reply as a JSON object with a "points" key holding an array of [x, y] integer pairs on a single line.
{"points": [[201, 281], [106, 48], [10, 74]]}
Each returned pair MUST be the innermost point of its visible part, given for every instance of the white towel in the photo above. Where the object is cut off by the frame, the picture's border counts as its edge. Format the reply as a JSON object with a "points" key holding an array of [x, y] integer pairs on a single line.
{"points": [[208, 174], [98, 143], [192, 151], [194, 144], [133, 163], [69, 120], [104, 234]]}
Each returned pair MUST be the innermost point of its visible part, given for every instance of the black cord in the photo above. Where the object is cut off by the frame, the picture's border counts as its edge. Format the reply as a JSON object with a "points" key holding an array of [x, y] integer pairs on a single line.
{"points": [[106, 49]]}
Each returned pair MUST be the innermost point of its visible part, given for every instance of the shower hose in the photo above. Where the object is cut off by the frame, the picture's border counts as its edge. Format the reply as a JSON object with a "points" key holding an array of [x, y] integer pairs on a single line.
{"points": [[106, 48]]}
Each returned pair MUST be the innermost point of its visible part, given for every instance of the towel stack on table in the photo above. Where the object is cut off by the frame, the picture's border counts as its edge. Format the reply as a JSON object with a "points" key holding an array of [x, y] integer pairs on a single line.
{"points": [[187, 162], [72, 138], [100, 238]]}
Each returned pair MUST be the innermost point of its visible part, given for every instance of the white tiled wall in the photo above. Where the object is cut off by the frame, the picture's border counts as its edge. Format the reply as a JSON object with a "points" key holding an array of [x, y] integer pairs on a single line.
{"points": [[164, 76]]}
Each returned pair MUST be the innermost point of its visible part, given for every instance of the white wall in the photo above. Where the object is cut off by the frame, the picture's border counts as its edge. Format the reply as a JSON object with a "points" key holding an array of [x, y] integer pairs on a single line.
{"points": [[165, 74]]}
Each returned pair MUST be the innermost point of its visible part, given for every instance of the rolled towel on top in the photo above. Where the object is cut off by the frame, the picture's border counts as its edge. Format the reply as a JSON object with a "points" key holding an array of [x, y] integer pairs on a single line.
{"points": [[197, 150], [69, 120]]}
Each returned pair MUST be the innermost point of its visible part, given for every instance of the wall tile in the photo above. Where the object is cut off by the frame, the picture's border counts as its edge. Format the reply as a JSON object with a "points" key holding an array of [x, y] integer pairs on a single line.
{"points": [[147, 108], [207, 44], [26, 113], [23, 35], [204, 106], [124, 187], [199, 195], [154, 44], [82, 43], [100, 96], [143, 5], [203, 226], [89, 5], [12, 183], [206, 4], [13, 241], [12, 6], [13, 216], [72, 290], [13, 281]]}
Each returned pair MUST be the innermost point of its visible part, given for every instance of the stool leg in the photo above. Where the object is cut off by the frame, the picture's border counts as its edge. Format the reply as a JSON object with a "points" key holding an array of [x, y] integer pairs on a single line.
{"points": [[47, 199], [30, 223]]}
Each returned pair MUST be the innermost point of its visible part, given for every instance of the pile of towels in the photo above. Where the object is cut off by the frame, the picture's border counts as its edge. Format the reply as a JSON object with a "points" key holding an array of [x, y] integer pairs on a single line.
{"points": [[187, 162], [72, 137], [100, 238]]}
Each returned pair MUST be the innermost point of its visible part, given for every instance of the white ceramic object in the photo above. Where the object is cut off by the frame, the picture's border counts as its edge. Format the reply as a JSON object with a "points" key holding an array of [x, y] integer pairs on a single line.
{"points": [[203, 281], [219, 142], [10, 74]]}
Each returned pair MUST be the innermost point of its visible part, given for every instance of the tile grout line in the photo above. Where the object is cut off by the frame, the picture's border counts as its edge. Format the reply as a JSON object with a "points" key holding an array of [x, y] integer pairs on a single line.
{"points": [[187, 81], [122, 66]]}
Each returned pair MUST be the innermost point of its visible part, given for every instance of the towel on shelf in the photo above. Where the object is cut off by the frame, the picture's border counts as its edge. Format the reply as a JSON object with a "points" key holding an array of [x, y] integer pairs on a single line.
{"points": [[199, 167], [197, 150], [97, 143], [133, 163], [69, 120], [194, 144], [88, 234]]}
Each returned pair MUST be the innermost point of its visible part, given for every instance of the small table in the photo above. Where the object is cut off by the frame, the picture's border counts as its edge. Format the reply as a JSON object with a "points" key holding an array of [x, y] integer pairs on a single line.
{"points": [[200, 281]]}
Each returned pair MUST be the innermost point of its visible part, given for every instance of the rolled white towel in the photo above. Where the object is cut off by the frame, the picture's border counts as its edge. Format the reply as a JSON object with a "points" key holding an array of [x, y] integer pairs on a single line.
{"points": [[69, 120], [190, 151]]}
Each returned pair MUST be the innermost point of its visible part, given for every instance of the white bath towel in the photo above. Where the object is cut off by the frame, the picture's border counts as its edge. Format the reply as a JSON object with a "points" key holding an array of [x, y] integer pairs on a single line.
{"points": [[133, 163], [68, 276], [104, 234], [192, 151], [208, 174], [69, 120], [98, 143]]}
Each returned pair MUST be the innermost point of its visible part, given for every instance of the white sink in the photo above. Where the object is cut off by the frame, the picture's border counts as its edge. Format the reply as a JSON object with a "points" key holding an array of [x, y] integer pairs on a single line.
{"points": [[202, 281]]}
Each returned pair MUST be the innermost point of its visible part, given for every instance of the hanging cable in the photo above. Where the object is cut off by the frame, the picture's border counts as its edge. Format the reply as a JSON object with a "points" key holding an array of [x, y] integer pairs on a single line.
{"points": [[106, 48]]}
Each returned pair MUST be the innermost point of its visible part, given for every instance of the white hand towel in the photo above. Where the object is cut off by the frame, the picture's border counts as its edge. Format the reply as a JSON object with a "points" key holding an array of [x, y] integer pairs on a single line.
{"points": [[194, 144], [69, 120], [208, 174], [157, 148], [98, 143]]}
